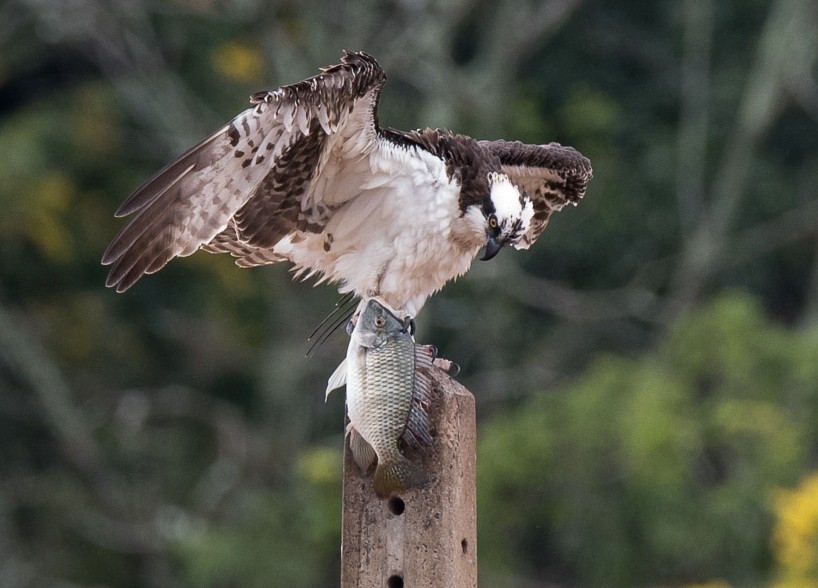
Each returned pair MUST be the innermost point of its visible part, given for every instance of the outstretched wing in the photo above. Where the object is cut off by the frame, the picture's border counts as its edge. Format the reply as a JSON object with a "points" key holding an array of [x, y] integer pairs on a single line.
{"points": [[244, 188], [552, 175]]}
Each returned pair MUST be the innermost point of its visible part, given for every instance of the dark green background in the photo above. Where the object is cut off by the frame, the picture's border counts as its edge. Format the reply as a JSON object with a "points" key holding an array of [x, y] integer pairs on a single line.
{"points": [[646, 376]]}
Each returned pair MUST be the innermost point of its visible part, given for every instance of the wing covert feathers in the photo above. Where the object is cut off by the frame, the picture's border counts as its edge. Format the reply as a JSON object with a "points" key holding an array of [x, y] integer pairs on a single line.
{"points": [[280, 171], [245, 187], [552, 175]]}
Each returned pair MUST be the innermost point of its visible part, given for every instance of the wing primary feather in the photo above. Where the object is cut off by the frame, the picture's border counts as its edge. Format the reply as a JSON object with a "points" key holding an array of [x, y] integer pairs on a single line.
{"points": [[124, 266], [127, 271], [342, 312], [183, 205], [328, 330], [343, 301], [150, 190], [143, 198], [142, 223]]}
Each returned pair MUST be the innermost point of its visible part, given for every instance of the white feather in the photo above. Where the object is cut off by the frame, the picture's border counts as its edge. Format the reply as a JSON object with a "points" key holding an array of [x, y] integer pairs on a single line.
{"points": [[323, 119], [285, 114], [505, 196], [396, 239], [301, 120]]}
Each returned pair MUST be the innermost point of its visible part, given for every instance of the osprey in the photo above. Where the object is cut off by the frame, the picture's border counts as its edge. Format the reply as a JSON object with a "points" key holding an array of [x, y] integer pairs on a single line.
{"points": [[307, 175]]}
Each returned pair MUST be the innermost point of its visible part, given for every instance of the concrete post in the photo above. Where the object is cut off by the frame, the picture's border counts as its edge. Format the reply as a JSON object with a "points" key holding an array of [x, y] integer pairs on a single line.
{"points": [[426, 538]]}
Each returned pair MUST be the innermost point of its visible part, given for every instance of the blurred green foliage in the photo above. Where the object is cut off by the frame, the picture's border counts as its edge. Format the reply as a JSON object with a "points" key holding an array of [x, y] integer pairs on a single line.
{"points": [[661, 469], [645, 375]]}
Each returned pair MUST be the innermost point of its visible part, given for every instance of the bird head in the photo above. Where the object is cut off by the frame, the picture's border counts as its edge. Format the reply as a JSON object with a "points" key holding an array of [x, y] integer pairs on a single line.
{"points": [[504, 216]]}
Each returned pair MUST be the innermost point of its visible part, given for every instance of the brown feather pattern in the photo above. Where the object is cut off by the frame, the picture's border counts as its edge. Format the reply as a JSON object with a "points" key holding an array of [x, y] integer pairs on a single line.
{"points": [[258, 180], [552, 175], [241, 190], [466, 159]]}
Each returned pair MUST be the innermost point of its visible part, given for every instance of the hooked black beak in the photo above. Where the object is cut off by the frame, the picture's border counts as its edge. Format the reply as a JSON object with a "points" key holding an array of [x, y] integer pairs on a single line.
{"points": [[493, 247]]}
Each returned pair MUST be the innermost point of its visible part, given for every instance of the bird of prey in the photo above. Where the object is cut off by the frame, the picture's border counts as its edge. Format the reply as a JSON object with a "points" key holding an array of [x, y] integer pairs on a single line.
{"points": [[306, 175]]}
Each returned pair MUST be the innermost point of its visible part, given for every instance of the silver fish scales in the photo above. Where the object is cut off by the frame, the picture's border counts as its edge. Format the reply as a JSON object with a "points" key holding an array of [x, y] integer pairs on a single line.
{"points": [[388, 391]]}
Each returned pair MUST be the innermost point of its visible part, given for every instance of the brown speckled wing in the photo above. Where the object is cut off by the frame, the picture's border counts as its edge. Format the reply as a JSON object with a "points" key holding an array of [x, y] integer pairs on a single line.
{"points": [[552, 175], [240, 190]]}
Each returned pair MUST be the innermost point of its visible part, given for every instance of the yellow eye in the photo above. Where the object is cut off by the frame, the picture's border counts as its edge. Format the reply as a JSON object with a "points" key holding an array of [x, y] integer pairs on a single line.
{"points": [[493, 221]]}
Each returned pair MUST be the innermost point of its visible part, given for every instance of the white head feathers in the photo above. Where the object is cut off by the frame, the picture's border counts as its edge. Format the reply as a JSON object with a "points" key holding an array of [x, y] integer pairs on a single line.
{"points": [[513, 210]]}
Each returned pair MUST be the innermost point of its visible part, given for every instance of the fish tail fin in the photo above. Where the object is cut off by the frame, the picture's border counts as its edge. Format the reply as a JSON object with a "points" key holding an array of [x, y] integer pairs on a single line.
{"points": [[394, 477]]}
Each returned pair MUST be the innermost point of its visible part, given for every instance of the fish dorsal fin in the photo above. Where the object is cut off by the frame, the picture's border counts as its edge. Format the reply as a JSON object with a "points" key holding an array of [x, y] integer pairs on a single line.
{"points": [[362, 452], [417, 432], [337, 379]]}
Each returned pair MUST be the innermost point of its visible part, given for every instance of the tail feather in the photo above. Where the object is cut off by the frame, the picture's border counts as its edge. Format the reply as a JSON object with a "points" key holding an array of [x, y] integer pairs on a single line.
{"points": [[398, 476]]}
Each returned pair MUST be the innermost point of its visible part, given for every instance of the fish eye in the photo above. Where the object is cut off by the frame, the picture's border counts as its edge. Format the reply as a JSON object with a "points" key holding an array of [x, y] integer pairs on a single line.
{"points": [[380, 322]]}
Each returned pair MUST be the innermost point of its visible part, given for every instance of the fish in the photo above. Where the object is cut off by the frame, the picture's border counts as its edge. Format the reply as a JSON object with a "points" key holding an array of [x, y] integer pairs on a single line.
{"points": [[388, 393]]}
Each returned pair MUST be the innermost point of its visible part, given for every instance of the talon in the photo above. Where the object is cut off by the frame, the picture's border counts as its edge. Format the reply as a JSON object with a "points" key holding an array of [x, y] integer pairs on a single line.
{"points": [[451, 368], [454, 369], [409, 325]]}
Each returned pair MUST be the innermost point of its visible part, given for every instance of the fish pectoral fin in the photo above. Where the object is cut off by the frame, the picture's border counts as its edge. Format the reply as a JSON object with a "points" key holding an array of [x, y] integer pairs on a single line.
{"points": [[397, 476], [362, 452], [337, 379]]}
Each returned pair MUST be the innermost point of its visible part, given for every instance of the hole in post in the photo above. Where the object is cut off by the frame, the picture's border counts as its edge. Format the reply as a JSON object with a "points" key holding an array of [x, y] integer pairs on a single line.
{"points": [[394, 581], [464, 545], [396, 506]]}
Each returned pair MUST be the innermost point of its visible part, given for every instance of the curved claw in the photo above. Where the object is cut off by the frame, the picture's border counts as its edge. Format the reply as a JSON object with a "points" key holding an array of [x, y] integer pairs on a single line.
{"points": [[454, 369], [448, 366]]}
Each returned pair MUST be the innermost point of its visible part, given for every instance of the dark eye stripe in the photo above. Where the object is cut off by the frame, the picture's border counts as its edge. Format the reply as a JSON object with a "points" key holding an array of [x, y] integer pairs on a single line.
{"points": [[516, 230]]}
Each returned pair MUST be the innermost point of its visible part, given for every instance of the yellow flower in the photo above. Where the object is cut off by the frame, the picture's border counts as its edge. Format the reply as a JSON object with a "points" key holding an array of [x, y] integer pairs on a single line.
{"points": [[795, 535], [238, 61]]}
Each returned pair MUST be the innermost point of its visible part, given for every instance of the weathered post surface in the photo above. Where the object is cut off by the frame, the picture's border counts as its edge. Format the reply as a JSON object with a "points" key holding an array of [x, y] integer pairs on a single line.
{"points": [[427, 537]]}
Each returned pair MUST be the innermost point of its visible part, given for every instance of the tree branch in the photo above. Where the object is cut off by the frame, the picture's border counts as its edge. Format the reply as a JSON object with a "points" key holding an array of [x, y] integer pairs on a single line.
{"points": [[780, 46], [694, 88]]}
